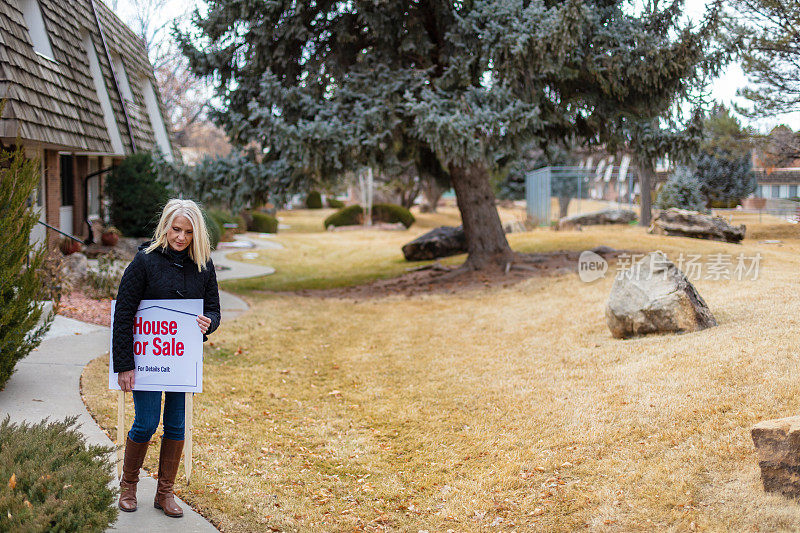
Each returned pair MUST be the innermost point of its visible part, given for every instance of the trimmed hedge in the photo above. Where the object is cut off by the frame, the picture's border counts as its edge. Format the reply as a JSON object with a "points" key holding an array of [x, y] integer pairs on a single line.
{"points": [[241, 223], [50, 480], [354, 214], [314, 200], [349, 216], [392, 213], [222, 217], [336, 204], [214, 229], [263, 223]]}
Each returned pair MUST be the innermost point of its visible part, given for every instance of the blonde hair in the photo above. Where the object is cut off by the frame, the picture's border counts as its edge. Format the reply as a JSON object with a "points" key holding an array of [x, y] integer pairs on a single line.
{"points": [[200, 247]]}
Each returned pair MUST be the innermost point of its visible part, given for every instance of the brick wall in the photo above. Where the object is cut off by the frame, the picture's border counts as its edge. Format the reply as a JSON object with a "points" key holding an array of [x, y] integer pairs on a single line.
{"points": [[52, 173], [79, 227]]}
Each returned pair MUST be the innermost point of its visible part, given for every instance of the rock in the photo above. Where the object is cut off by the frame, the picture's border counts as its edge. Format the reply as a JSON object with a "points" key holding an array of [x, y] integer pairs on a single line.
{"points": [[74, 267], [683, 223], [440, 242], [514, 226], [606, 216], [653, 296], [777, 445]]}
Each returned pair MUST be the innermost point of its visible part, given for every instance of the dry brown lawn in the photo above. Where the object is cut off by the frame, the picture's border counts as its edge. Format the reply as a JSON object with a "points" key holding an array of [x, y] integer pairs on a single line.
{"points": [[506, 409]]}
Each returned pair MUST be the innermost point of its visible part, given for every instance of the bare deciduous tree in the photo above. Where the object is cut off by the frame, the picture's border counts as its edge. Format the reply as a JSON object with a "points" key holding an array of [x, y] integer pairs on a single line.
{"points": [[184, 95]]}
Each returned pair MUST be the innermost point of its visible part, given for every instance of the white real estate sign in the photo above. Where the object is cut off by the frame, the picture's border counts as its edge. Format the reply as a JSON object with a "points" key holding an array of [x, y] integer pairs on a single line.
{"points": [[167, 346]]}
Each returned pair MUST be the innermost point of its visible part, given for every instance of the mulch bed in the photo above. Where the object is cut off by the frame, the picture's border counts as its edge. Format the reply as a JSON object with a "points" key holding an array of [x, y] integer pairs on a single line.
{"points": [[80, 307], [446, 280]]}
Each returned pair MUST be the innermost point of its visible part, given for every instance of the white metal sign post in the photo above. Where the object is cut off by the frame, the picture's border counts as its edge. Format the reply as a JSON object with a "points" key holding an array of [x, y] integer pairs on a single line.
{"points": [[168, 356]]}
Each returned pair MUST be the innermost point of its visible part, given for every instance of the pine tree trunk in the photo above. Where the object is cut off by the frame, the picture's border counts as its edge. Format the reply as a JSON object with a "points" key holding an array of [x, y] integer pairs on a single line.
{"points": [[563, 206], [432, 194], [486, 240]]}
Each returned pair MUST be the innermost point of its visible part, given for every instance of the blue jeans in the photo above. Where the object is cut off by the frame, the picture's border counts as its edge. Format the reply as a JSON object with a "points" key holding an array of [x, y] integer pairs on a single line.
{"points": [[148, 408]]}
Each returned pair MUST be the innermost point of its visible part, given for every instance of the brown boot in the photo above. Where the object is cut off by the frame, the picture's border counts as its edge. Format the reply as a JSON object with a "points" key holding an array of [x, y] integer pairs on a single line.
{"points": [[168, 463], [134, 457]]}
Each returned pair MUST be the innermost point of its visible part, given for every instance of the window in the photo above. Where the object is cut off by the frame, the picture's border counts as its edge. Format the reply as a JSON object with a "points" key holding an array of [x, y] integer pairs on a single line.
{"points": [[102, 95], [156, 121], [67, 181], [32, 14], [122, 78], [792, 191]]}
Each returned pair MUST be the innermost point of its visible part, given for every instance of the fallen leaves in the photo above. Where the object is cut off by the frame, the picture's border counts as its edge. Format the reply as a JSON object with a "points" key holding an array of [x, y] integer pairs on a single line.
{"points": [[12, 481]]}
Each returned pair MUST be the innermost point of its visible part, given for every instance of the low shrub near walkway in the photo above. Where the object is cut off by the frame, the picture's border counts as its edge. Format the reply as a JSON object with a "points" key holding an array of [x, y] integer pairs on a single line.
{"points": [[50, 480]]}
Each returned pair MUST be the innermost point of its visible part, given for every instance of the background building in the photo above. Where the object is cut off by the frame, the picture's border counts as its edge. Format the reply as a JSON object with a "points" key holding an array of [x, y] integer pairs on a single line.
{"points": [[80, 96]]}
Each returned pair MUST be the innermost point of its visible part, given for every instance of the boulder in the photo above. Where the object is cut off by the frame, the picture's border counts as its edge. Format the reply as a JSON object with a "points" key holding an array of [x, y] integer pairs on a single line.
{"points": [[777, 445], [441, 242], [74, 267], [683, 223], [654, 296], [606, 216], [514, 226]]}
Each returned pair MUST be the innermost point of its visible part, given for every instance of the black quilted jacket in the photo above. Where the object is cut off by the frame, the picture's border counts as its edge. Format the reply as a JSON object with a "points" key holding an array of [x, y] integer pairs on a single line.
{"points": [[160, 275]]}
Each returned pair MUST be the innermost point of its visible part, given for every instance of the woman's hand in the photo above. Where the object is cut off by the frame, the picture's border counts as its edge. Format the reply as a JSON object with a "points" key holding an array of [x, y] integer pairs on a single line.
{"points": [[125, 380], [204, 322]]}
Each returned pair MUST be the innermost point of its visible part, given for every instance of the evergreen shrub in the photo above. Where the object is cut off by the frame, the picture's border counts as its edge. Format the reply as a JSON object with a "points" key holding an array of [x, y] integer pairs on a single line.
{"points": [[314, 200], [50, 480], [241, 224], [349, 216], [263, 223], [392, 213], [683, 191], [137, 197], [214, 229], [222, 217], [24, 274]]}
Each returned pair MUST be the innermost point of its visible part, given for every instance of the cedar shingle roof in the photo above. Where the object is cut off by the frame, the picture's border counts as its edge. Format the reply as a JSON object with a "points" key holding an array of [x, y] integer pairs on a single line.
{"points": [[55, 102], [778, 177]]}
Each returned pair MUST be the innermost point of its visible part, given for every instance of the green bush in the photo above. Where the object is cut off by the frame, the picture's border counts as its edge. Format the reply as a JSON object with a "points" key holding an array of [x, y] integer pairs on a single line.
{"points": [[24, 274], [348, 216], [682, 190], [222, 217], [137, 197], [51, 481], [392, 213], [214, 229], [314, 200], [241, 224], [263, 223], [336, 204]]}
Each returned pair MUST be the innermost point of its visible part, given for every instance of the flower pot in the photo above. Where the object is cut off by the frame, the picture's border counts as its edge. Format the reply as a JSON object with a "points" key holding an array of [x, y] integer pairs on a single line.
{"points": [[69, 246], [109, 239]]}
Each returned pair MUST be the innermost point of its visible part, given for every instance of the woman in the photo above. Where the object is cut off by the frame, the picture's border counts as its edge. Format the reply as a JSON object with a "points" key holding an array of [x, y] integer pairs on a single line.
{"points": [[175, 264]]}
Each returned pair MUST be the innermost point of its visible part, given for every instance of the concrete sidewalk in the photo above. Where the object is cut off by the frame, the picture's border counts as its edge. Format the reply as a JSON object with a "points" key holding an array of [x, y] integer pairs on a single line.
{"points": [[46, 384], [237, 269]]}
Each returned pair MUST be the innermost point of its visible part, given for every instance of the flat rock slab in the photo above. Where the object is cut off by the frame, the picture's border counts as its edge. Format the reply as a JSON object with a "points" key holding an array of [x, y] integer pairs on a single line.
{"points": [[777, 444], [605, 216], [654, 296], [683, 223]]}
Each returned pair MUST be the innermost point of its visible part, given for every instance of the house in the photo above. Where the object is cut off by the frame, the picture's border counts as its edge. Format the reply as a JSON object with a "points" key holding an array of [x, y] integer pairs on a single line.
{"points": [[80, 96]]}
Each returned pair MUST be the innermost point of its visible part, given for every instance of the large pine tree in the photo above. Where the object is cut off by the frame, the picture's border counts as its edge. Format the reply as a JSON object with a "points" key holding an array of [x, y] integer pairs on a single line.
{"points": [[326, 86]]}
